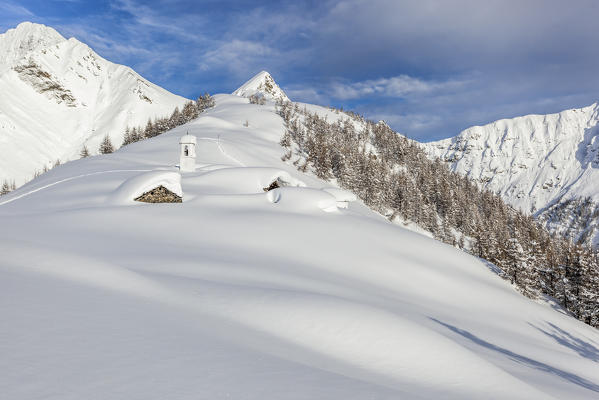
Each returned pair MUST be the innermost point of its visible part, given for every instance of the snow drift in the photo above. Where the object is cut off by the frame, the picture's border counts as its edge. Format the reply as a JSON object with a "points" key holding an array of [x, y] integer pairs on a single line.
{"points": [[230, 295]]}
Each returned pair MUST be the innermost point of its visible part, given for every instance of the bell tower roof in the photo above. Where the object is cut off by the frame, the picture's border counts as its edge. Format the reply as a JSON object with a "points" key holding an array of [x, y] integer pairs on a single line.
{"points": [[188, 139]]}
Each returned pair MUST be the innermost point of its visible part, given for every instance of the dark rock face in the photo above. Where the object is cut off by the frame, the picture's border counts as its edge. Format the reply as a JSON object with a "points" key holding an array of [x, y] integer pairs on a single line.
{"points": [[159, 195], [44, 83]]}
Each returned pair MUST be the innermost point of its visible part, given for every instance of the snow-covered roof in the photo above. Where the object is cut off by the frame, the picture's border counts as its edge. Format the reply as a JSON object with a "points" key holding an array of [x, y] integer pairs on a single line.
{"points": [[188, 139]]}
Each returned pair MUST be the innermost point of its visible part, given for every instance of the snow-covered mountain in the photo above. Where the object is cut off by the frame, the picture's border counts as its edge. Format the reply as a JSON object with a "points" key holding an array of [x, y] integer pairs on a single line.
{"points": [[241, 293], [534, 161], [58, 94], [262, 85]]}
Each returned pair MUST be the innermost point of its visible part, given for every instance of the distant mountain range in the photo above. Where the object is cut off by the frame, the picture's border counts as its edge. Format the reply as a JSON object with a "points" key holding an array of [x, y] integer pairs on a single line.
{"points": [[543, 164]]}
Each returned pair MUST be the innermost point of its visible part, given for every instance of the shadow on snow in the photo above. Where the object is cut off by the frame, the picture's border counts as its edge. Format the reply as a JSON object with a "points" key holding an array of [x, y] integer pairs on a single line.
{"points": [[529, 362]]}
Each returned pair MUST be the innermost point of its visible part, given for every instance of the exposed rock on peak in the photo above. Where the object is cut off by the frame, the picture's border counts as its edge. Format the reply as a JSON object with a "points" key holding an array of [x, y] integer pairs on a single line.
{"points": [[262, 85]]}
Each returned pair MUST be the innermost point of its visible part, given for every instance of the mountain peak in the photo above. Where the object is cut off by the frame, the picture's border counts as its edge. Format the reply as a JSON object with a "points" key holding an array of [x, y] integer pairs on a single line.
{"points": [[27, 37], [262, 84], [26, 30]]}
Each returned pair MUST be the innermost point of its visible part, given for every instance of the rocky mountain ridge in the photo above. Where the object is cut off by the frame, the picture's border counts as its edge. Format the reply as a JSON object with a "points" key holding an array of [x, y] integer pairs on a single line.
{"points": [[534, 162]]}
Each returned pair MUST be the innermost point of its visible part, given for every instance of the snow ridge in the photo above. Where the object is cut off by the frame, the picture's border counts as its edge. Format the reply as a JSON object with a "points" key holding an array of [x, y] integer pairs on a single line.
{"points": [[26, 38]]}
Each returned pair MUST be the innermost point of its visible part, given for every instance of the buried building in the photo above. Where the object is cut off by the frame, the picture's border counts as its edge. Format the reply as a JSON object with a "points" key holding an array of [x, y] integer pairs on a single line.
{"points": [[159, 194], [159, 186]]}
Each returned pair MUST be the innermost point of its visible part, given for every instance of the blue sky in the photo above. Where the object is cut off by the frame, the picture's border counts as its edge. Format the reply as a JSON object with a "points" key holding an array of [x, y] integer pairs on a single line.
{"points": [[430, 68]]}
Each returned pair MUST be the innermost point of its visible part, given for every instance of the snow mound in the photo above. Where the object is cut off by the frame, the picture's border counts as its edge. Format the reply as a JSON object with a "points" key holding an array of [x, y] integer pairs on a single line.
{"points": [[143, 183], [239, 180], [343, 197], [303, 199], [262, 85]]}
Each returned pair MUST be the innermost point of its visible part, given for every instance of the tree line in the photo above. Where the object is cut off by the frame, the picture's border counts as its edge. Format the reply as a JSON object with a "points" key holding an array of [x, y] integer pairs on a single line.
{"points": [[190, 111], [393, 175]]}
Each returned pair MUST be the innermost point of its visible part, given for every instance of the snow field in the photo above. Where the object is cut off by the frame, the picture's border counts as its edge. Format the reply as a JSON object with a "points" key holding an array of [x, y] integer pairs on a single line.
{"points": [[232, 295]]}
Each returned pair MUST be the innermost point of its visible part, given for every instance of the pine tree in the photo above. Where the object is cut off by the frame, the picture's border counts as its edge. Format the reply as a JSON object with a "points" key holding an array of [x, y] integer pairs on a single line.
{"points": [[136, 135], [5, 188], [150, 130], [175, 119], [160, 126], [127, 139], [286, 139], [106, 146], [204, 102], [84, 152], [189, 111]]}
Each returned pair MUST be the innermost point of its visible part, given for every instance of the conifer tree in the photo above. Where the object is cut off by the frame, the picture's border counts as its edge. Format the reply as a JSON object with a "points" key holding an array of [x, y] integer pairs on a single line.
{"points": [[189, 111], [175, 118], [106, 146], [127, 139], [84, 152], [5, 189], [150, 130], [136, 135]]}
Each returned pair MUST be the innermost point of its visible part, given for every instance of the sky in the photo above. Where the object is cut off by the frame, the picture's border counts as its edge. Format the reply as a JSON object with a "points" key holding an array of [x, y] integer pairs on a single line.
{"points": [[429, 68]]}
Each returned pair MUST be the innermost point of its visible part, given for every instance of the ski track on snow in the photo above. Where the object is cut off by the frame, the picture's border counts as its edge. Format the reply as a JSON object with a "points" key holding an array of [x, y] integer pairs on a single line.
{"points": [[70, 179]]}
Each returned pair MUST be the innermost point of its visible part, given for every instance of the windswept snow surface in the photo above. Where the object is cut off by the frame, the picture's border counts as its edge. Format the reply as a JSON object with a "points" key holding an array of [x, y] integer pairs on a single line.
{"points": [[233, 295], [58, 94]]}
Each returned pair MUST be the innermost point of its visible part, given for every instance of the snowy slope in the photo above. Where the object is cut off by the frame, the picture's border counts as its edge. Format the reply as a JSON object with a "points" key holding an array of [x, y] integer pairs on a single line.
{"points": [[237, 293], [57, 94], [263, 85], [533, 161]]}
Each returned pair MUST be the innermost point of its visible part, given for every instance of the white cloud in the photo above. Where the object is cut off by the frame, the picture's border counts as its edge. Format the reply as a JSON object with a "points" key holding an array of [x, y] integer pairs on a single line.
{"points": [[181, 26], [397, 86], [306, 94], [15, 9], [236, 55]]}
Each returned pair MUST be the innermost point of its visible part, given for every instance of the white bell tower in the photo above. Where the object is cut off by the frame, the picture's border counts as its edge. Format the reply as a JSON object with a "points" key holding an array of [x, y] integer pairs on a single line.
{"points": [[187, 159]]}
